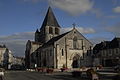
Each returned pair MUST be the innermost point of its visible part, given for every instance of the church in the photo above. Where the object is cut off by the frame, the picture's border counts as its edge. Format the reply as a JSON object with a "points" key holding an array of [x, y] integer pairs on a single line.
{"points": [[54, 50]]}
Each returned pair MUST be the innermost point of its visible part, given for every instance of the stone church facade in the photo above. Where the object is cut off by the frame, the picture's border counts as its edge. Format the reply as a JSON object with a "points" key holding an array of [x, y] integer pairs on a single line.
{"points": [[55, 50]]}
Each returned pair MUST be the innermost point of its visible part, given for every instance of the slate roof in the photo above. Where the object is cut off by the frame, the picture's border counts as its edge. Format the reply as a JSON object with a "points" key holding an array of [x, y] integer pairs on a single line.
{"points": [[116, 39], [115, 43], [51, 41], [100, 46], [50, 19]]}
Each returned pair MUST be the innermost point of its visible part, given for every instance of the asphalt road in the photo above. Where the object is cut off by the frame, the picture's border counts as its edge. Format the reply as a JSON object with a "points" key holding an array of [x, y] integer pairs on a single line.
{"points": [[24, 75]]}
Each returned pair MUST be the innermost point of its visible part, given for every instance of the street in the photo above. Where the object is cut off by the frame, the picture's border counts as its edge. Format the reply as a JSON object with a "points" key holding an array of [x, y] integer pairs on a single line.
{"points": [[26, 75]]}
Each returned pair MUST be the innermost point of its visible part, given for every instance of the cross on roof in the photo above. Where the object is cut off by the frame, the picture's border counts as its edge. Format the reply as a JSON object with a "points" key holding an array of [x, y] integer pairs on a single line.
{"points": [[74, 25]]}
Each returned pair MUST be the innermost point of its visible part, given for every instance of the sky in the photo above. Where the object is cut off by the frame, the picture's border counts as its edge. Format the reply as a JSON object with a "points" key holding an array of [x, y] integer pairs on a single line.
{"points": [[97, 20]]}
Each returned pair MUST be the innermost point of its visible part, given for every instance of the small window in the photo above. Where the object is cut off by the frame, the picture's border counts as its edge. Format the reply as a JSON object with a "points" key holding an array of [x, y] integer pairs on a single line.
{"points": [[50, 30], [87, 52], [75, 42], [62, 52], [56, 31]]}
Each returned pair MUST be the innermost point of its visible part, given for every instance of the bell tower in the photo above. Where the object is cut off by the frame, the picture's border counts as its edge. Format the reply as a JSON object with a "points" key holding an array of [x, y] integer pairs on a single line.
{"points": [[49, 29]]}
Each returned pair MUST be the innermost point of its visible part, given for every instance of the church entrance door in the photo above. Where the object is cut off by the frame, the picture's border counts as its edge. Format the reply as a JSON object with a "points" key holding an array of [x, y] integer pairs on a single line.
{"points": [[75, 63]]}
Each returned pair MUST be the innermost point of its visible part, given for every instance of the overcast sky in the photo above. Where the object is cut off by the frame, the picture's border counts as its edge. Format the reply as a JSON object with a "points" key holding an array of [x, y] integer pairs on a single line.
{"points": [[97, 20]]}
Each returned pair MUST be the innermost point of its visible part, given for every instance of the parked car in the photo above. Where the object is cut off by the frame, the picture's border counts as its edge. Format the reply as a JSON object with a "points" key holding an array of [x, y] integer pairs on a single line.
{"points": [[17, 67]]}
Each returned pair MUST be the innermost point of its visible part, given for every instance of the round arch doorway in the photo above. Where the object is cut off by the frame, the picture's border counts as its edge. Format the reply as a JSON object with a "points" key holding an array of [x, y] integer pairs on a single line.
{"points": [[75, 63]]}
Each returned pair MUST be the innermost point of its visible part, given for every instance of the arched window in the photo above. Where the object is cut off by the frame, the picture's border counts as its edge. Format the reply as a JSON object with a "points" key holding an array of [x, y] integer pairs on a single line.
{"points": [[75, 43], [50, 30], [62, 52], [56, 31]]}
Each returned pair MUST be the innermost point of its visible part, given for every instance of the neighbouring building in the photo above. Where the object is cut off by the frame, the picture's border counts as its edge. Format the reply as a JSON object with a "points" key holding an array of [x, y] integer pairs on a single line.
{"points": [[6, 57], [2, 52], [54, 50], [19, 60], [107, 53], [30, 54]]}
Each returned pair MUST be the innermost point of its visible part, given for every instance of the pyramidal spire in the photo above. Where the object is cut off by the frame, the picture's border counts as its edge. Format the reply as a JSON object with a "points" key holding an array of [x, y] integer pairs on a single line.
{"points": [[50, 19]]}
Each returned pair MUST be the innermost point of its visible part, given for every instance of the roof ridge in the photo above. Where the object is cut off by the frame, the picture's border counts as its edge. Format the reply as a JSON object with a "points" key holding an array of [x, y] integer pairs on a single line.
{"points": [[56, 38]]}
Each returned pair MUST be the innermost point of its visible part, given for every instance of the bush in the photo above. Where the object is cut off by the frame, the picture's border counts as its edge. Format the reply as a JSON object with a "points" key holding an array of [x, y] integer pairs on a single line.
{"points": [[49, 70], [41, 69]]}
